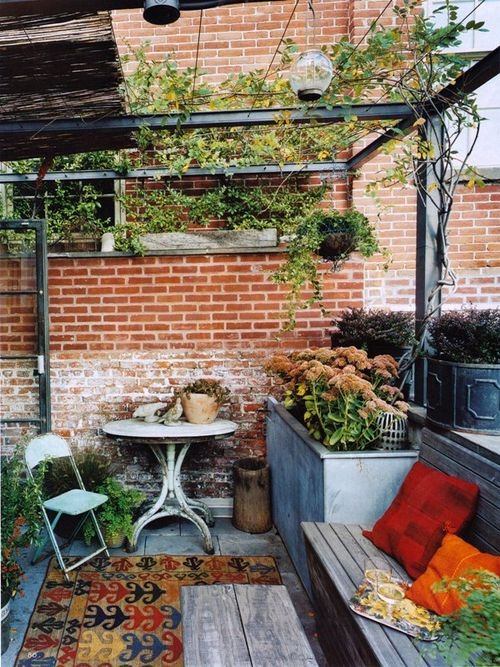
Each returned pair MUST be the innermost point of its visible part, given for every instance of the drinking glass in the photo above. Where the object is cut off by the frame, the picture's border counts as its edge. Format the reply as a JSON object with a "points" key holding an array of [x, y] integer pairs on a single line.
{"points": [[391, 593], [377, 571]]}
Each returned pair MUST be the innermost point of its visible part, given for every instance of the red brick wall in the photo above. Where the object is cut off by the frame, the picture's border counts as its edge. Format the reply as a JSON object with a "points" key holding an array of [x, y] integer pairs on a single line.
{"points": [[473, 233], [180, 302], [129, 330], [234, 38]]}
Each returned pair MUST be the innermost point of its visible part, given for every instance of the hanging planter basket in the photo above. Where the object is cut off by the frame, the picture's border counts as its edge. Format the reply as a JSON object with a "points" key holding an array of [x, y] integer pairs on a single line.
{"points": [[337, 246]]}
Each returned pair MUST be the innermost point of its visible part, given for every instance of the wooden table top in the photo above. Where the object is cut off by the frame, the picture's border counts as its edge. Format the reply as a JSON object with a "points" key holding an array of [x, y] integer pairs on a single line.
{"points": [[248, 625]]}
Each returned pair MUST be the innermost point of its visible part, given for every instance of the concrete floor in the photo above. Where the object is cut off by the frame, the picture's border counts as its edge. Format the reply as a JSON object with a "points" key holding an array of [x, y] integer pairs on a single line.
{"points": [[178, 537]]}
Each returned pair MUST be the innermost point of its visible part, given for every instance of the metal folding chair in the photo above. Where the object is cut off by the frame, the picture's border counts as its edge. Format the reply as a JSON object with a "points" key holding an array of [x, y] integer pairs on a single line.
{"points": [[76, 502]]}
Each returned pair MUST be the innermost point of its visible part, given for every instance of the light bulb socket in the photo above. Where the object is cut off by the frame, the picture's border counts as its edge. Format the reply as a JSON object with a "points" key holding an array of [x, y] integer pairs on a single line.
{"points": [[161, 12], [309, 94]]}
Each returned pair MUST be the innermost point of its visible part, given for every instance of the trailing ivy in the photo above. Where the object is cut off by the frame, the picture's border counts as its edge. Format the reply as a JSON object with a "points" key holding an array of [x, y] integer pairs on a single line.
{"points": [[167, 209]]}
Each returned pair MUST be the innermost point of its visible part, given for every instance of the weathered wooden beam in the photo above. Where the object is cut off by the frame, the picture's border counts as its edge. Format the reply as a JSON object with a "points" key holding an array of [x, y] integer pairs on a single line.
{"points": [[219, 239]]}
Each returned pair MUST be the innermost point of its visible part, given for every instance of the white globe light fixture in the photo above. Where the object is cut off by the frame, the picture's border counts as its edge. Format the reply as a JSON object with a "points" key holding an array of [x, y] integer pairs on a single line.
{"points": [[310, 75]]}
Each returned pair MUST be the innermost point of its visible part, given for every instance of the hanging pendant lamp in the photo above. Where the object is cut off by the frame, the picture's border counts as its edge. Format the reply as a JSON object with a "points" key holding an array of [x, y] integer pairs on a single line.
{"points": [[311, 73]]}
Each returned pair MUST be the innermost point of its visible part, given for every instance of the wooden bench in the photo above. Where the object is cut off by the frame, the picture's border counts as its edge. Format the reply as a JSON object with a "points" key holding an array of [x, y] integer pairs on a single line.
{"points": [[336, 552], [242, 625]]}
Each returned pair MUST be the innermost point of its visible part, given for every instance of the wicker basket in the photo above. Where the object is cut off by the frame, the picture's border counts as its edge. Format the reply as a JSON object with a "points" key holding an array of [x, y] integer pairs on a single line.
{"points": [[394, 432]]}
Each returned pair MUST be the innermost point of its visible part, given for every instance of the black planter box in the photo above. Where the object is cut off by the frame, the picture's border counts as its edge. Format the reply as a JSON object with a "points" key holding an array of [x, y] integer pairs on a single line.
{"points": [[464, 397]]}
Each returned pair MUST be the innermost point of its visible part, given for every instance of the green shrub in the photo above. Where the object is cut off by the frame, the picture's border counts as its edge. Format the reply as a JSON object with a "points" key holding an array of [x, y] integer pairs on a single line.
{"points": [[467, 336], [94, 467], [362, 327]]}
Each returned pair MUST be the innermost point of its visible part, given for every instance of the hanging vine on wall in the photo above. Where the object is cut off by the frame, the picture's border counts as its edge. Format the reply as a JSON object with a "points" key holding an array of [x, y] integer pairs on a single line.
{"points": [[154, 207]]}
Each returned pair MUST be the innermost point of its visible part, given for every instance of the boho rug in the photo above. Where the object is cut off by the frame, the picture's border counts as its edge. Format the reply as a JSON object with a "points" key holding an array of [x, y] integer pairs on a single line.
{"points": [[125, 611]]}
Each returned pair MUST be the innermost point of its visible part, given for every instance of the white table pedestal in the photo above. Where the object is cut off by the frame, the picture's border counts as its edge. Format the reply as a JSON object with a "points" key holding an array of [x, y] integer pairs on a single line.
{"points": [[170, 445]]}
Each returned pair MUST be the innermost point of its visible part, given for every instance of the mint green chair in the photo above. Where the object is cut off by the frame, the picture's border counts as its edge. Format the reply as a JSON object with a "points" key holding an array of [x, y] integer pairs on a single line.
{"points": [[76, 502]]}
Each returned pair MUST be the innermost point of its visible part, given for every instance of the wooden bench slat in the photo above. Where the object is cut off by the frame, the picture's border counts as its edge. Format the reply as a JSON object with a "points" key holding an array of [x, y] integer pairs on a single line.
{"points": [[212, 633], [468, 465], [475, 465], [345, 571], [410, 650], [342, 553], [273, 630]]}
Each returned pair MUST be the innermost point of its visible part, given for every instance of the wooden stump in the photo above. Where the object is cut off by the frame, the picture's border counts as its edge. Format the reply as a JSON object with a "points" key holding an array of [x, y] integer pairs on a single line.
{"points": [[252, 499]]}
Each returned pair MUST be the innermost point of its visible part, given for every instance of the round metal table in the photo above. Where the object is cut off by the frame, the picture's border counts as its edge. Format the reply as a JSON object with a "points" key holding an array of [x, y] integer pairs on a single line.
{"points": [[169, 445]]}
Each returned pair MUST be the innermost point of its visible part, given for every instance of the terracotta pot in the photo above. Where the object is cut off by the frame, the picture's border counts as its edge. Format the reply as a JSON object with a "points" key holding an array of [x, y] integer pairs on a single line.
{"points": [[199, 408]]}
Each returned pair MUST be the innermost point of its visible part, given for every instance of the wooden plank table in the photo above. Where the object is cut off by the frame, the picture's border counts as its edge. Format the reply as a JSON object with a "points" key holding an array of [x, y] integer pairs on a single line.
{"points": [[242, 624]]}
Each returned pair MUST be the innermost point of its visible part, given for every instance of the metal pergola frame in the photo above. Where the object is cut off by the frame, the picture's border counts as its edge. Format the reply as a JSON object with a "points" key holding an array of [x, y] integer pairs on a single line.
{"points": [[120, 129], [39, 293], [124, 126]]}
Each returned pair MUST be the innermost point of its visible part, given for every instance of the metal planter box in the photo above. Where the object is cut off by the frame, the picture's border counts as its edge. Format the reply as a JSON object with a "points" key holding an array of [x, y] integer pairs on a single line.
{"points": [[311, 483], [465, 397]]}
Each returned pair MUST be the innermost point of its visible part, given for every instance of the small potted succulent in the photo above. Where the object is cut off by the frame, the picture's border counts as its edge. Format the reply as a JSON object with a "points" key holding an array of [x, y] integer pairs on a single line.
{"points": [[463, 371], [202, 399], [116, 516]]}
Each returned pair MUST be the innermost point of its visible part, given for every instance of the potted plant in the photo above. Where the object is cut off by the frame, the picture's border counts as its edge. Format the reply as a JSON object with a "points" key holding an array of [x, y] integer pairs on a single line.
{"points": [[378, 331], [338, 394], [463, 372], [202, 399], [116, 516], [334, 235], [21, 519], [322, 236], [321, 441]]}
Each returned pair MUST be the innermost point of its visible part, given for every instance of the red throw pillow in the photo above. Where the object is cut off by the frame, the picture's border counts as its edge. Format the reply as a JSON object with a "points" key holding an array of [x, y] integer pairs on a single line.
{"points": [[454, 558], [428, 505]]}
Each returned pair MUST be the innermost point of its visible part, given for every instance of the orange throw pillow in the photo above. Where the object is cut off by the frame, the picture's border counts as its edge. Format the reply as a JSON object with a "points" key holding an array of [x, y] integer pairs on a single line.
{"points": [[454, 558]]}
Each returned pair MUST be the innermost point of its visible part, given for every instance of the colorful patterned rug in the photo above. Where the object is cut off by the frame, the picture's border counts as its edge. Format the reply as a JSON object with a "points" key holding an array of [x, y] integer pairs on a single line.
{"points": [[125, 611]]}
